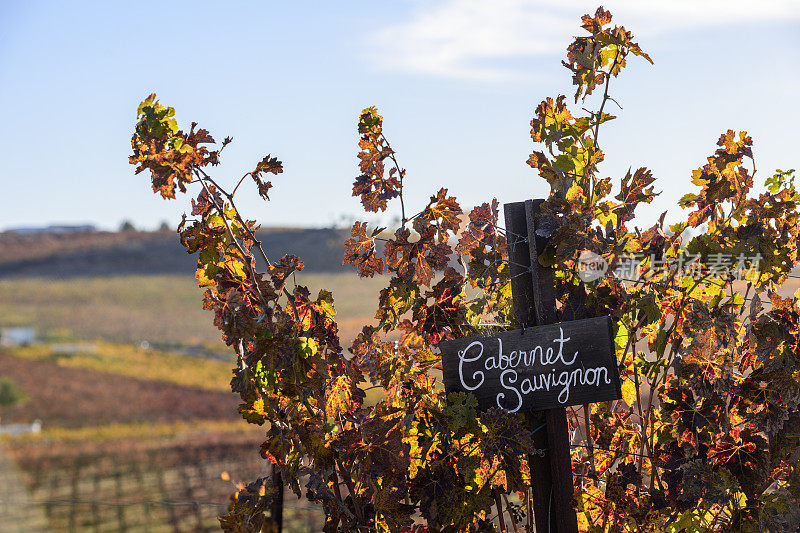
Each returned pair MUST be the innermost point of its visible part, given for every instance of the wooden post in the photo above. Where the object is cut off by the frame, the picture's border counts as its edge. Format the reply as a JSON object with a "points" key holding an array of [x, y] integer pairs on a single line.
{"points": [[276, 508], [534, 304]]}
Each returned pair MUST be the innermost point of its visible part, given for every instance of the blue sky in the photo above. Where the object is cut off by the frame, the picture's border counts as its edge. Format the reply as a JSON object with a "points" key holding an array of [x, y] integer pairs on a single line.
{"points": [[457, 82]]}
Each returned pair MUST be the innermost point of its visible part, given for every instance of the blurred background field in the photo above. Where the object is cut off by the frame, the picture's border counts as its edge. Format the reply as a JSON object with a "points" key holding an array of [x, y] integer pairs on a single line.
{"points": [[164, 310], [126, 421], [132, 286]]}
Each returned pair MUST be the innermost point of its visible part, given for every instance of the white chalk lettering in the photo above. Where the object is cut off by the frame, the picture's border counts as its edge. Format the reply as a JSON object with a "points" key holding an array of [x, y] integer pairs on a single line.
{"points": [[511, 379], [561, 340], [556, 374], [463, 359], [565, 380]]}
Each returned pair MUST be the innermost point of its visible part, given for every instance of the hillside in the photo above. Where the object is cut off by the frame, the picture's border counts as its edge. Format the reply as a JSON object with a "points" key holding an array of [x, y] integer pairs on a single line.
{"points": [[75, 397], [136, 252]]}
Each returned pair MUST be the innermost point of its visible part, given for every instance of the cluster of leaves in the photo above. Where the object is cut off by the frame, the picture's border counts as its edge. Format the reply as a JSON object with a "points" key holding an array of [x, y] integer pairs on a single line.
{"points": [[704, 437], [414, 453]]}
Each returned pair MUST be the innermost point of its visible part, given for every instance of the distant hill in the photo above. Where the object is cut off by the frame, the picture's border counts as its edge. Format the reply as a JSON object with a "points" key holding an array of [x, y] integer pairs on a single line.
{"points": [[136, 252]]}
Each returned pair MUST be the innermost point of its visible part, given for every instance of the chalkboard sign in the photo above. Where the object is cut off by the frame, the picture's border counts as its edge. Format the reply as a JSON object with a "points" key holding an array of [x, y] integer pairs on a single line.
{"points": [[542, 367]]}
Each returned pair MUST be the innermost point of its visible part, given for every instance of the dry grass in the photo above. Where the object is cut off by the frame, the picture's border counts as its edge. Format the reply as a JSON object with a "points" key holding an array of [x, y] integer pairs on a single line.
{"points": [[135, 362], [163, 308], [145, 431], [160, 309]]}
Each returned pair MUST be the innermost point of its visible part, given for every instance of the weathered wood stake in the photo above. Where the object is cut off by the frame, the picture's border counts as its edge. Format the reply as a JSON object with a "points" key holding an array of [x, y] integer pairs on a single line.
{"points": [[276, 508], [534, 304]]}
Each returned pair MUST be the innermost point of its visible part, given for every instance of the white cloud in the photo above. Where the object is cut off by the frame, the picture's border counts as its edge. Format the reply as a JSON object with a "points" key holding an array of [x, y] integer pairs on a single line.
{"points": [[463, 38]]}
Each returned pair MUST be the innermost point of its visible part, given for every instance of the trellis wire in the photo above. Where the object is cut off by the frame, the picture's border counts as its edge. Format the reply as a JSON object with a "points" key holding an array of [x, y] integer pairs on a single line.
{"points": [[520, 239], [527, 270], [596, 448], [131, 503], [510, 244]]}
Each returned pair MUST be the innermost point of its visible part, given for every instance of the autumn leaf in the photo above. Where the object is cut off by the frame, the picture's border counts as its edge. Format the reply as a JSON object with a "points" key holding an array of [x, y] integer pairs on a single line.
{"points": [[343, 396], [268, 165], [167, 152], [359, 251], [445, 315], [442, 212], [481, 229], [629, 392], [395, 300], [635, 189], [601, 54], [285, 267], [723, 179], [416, 260], [207, 199], [373, 185]]}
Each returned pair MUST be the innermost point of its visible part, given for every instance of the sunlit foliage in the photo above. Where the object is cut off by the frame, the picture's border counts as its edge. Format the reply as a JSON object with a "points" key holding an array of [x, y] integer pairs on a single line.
{"points": [[705, 435]]}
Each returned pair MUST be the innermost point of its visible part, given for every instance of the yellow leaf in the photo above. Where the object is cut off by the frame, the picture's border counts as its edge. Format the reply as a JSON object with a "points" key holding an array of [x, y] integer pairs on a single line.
{"points": [[629, 392], [236, 268], [206, 275]]}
